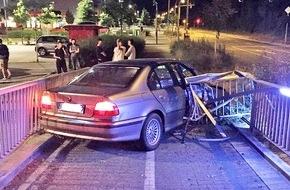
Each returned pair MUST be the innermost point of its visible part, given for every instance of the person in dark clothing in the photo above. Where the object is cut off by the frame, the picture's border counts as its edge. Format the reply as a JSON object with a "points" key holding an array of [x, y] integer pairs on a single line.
{"points": [[4, 58], [100, 52], [70, 65], [75, 51], [59, 55]]}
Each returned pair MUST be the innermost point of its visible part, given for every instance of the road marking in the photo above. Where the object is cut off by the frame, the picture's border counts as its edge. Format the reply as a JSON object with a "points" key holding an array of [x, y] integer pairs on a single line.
{"points": [[265, 51], [149, 182], [33, 177], [252, 52]]}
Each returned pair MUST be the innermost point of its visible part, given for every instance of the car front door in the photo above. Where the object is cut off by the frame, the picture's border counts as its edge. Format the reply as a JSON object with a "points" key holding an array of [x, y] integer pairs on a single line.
{"points": [[170, 95]]}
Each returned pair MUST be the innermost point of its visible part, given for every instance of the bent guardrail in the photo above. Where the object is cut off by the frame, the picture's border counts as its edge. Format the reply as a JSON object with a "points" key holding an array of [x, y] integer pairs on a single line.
{"points": [[20, 108], [264, 106]]}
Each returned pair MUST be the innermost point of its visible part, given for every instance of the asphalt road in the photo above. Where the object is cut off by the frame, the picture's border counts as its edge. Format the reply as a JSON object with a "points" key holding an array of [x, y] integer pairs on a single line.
{"points": [[78, 164], [247, 50]]}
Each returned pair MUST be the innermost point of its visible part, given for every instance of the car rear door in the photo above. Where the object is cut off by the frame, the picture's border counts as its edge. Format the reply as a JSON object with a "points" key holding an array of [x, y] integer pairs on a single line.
{"points": [[50, 43], [164, 86]]}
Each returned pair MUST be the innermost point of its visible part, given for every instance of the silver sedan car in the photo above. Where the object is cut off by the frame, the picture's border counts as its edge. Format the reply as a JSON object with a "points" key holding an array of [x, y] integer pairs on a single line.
{"points": [[120, 101]]}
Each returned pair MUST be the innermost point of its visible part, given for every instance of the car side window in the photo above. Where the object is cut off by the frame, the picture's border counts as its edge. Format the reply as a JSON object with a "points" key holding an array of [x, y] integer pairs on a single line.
{"points": [[176, 73], [153, 82], [185, 71], [63, 40], [164, 76], [40, 40], [50, 39]]}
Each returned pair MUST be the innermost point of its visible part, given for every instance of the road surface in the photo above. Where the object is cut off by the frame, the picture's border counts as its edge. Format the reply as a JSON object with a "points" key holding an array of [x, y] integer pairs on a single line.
{"points": [[80, 164], [247, 50]]}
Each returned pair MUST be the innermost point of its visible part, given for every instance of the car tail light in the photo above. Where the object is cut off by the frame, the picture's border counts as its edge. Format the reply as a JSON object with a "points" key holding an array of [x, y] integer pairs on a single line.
{"points": [[106, 109], [46, 101]]}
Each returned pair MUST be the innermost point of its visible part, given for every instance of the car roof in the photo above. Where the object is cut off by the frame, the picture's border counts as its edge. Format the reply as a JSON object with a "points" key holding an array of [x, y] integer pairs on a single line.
{"points": [[141, 62], [52, 36]]}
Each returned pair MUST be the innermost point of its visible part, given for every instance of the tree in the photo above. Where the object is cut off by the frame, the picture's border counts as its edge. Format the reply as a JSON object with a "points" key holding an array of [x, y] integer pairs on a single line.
{"points": [[145, 17], [85, 11], [217, 13], [69, 17], [20, 13], [118, 11], [106, 20], [48, 15]]}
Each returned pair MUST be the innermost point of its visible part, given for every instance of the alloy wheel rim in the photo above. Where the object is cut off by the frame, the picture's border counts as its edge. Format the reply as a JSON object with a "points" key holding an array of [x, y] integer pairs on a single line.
{"points": [[153, 132], [41, 52]]}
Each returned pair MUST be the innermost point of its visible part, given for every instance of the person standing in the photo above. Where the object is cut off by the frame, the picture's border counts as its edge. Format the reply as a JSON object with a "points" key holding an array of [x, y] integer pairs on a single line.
{"points": [[4, 58], [119, 51], [74, 51], [100, 52], [70, 66], [131, 53], [59, 55]]}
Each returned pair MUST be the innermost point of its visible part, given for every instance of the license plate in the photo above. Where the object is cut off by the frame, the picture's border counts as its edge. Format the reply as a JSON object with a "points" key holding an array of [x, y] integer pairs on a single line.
{"points": [[75, 108]]}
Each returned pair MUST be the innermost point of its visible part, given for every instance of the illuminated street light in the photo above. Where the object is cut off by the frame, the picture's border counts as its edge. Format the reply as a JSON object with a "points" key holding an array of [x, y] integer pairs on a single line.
{"points": [[285, 91], [130, 6], [287, 10]]}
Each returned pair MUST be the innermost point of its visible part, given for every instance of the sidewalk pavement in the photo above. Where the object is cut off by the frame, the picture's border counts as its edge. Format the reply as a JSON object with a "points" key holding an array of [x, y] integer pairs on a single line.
{"points": [[18, 160]]}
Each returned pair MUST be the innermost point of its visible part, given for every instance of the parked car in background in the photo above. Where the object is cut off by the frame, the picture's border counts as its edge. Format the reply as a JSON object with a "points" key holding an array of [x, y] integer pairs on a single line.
{"points": [[120, 101], [46, 44]]}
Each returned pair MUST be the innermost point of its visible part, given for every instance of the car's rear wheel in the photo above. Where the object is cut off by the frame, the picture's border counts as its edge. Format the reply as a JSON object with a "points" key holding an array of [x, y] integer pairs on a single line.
{"points": [[42, 51], [152, 132]]}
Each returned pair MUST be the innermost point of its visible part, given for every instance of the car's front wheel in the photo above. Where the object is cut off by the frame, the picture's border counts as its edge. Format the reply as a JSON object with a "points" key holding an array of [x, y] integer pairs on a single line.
{"points": [[42, 51], [152, 132]]}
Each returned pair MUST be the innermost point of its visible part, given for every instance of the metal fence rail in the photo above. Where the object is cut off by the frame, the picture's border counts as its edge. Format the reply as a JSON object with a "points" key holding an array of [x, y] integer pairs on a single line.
{"points": [[271, 114], [20, 108]]}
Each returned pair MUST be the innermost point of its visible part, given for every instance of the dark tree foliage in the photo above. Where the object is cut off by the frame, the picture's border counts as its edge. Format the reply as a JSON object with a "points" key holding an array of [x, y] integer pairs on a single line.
{"points": [[217, 13], [254, 16], [69, 17]]}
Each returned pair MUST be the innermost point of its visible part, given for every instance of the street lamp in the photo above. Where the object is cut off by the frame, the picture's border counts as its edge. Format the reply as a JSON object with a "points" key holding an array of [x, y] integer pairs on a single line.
{"points": [[155, 3], [130, 6], [287, 10], [121, 2]]}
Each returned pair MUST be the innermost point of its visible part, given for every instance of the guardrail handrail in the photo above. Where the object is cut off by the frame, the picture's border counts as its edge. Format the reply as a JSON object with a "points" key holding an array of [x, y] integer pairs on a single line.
{"points": [[20, 108]]}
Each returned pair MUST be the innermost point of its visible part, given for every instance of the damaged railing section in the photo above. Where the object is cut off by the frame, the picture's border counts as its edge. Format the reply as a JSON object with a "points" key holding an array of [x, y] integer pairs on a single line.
{"points": [[264, 106]]}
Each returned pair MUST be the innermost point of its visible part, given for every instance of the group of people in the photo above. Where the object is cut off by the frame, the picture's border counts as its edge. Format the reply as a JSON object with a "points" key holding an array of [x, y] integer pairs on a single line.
{"points": [[120, 51], [72, 51]]}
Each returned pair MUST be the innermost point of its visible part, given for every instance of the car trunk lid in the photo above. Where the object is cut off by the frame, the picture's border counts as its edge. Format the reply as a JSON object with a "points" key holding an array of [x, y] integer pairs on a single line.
{"points": [[74, 100]]}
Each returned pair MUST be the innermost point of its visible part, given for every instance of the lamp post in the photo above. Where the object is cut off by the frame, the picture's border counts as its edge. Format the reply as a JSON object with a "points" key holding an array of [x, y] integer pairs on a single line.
{"points": [[287, 10], [5, 4], [155, 3], [121, 2], [168, 12]]}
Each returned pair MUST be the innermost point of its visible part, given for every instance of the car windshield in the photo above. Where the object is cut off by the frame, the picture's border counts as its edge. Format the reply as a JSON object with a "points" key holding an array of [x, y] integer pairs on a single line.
{"points": [[107, 76]]}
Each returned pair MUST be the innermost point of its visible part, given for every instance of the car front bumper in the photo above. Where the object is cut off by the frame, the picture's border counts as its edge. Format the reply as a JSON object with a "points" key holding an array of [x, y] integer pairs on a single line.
{"points": [[118, 131]]}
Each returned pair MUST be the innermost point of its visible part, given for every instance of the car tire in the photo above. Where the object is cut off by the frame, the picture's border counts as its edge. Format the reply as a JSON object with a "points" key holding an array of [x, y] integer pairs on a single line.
{"points": [[152, 132], [42, 51]]}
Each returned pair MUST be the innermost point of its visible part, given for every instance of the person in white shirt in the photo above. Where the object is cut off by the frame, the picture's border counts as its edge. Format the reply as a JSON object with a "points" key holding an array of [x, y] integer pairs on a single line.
{"points": [[131, 53], [119, 51]]}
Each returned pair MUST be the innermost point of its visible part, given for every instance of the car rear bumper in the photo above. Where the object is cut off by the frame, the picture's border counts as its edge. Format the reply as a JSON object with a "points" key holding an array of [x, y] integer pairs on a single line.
{"points": [[118, 131]]}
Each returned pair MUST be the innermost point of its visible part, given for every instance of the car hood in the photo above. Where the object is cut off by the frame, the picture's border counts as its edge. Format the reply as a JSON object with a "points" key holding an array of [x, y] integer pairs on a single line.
{"points": [[100, 91]]}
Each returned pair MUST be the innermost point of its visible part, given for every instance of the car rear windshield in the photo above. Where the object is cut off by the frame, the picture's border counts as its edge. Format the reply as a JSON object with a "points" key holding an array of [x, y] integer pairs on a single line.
{"points": [[108, 76]]}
